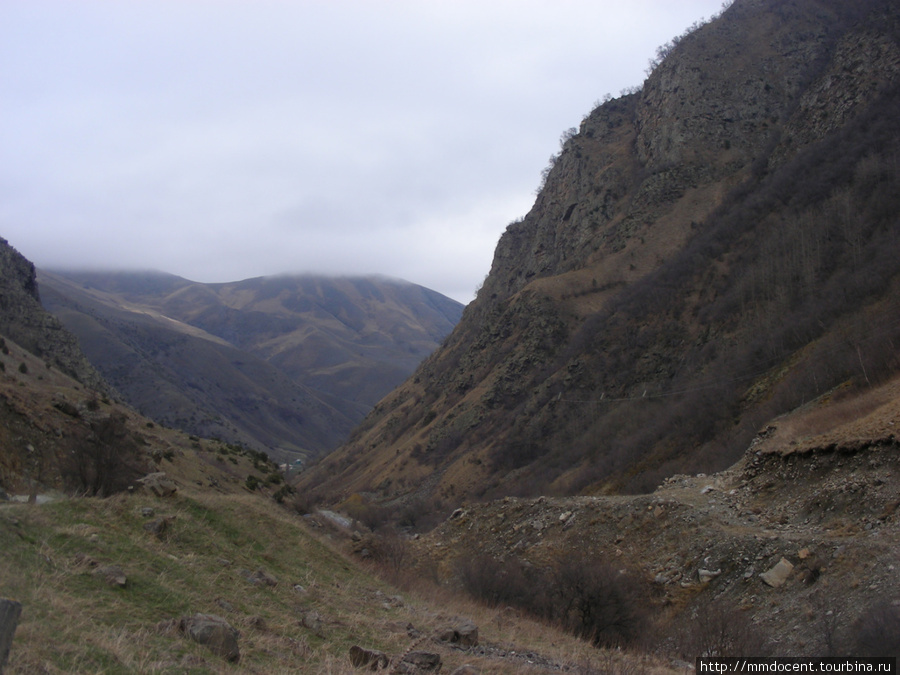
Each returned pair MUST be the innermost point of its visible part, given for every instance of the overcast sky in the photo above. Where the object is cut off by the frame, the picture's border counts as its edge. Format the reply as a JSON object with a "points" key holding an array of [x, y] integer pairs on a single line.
{"points": [[225, 139]]}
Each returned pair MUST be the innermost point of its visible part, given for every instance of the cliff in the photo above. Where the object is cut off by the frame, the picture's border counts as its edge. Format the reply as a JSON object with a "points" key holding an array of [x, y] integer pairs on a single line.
{"points": [[705, 254], [23, 320]]}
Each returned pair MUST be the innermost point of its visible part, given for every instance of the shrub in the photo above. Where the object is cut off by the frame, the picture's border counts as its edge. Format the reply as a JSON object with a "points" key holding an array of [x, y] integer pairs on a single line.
{"points": [[590, 598], [717, 629], [103, 462], [495, 582], [599, 602], [282, 492], [878, 631], [371, 516]]}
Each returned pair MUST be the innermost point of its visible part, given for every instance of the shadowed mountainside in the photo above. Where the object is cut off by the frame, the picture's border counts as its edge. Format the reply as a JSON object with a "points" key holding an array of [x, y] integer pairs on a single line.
{"points": [[705, 254], [286, 364]]}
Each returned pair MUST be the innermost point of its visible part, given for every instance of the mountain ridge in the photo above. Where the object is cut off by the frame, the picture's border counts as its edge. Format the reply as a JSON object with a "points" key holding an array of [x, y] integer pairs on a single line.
{"points": [[705, 254], [286, 364]]}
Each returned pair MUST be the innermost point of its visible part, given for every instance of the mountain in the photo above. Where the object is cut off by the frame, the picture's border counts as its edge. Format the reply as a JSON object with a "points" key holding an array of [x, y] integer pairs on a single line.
{"points": [[60, 428], [140, 562], [284, 364], [23, 320], [705, 254]]}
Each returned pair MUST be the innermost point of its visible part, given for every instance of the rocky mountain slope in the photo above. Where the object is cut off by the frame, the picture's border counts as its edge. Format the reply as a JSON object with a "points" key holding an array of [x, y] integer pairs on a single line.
{"points": [[705, 254], [283, 364], [23, 320], [791, 551], [168, 553]]}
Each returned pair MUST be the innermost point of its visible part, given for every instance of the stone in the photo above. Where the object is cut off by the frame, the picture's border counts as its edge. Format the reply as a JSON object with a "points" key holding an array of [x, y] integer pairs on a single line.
{"points": [[85, 560], [776, 576], [147, 512], [159, 484], [215, 633], [159, 526], [224, 604], [464, 634], [420, 662], [265, 578], [707, 575], [112, 575], [257, 623], [260, 576], [312, 621], [10, 611], [370, 659]]}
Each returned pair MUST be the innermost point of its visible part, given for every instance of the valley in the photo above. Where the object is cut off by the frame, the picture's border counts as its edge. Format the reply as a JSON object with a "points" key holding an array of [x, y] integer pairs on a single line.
{"points": [[284, 365], [665, 428]]}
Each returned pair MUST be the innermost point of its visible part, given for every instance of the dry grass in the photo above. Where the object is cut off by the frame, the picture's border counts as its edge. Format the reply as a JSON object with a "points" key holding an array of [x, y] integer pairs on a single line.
{"points": [[73, 622]]}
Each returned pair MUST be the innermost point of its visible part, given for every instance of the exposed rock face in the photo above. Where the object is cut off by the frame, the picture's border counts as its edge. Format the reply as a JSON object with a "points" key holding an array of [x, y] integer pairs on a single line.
{"points": [[23, 320], [685, 274]]}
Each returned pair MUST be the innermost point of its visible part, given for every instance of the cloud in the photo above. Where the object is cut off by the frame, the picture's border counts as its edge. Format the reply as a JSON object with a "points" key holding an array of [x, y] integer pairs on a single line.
{"points": [[224, 139]]}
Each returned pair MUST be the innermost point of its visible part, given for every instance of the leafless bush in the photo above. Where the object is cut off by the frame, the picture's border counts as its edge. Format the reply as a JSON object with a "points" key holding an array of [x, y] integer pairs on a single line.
{"points": [[718, 629], [587, 597], [104, 461], [496, 582], [828, 621], [598, 601], [878, 631]]}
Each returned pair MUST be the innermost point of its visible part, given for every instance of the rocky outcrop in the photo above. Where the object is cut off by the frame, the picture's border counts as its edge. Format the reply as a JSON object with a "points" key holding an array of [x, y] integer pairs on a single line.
{"points": [[23, 320]]}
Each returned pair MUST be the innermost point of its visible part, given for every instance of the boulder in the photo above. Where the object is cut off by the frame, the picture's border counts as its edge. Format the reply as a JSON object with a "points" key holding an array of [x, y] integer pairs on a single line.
{"points": [[159, 484], [414, 663], [159, 526], [312, 621], [464, 634], [112, 575], [214, 632], [370, 659], [776, 576], [707, 575]]}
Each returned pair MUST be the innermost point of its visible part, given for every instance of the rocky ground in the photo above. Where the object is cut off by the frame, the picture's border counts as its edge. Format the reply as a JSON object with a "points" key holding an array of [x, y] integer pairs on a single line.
{"points": [[802, 536]]}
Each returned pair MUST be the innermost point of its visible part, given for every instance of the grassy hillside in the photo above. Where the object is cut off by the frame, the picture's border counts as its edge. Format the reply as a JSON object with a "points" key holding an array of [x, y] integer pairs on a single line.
{"points": [[320, 605]]}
